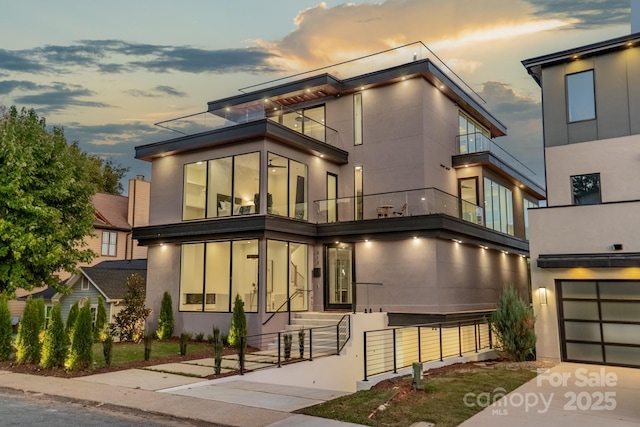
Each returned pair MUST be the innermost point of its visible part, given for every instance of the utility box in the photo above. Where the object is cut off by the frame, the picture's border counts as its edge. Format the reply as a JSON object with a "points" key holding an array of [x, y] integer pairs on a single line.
{"points": [[417, 381]]}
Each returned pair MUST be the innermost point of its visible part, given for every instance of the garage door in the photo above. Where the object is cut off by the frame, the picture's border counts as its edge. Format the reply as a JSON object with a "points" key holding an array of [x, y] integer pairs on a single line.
{"points": [[600, 321]]}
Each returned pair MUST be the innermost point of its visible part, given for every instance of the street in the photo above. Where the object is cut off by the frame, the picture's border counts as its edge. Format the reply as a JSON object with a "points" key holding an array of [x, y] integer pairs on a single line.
{"points": [[22, 409]]}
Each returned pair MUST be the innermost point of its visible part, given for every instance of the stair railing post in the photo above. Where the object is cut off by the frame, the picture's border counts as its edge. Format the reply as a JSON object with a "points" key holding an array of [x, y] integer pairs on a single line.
{"points": [[475, 335], [395, 367], [460, 338], [338, 339], [365, 355], [310, 344], [440, 333], [490, 336], [279, 348]]}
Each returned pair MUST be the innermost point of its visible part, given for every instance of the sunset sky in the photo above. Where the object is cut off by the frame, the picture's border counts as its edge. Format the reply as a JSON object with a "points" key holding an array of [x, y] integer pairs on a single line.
{"points": [[106, 72]]}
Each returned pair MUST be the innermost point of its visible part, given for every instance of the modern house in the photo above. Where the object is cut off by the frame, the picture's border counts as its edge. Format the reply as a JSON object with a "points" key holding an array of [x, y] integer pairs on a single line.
{"points": [[585, 252], [375, 183], [115, 217]]}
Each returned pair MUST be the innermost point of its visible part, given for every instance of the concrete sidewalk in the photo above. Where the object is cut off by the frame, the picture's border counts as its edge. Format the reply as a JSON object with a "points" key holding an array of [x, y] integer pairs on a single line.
{"points": [[143, 397], [567, 395]]}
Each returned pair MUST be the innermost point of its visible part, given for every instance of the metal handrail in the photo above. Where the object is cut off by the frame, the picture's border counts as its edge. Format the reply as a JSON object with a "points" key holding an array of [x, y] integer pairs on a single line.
{"points": [[346, 318], [287, 301]]}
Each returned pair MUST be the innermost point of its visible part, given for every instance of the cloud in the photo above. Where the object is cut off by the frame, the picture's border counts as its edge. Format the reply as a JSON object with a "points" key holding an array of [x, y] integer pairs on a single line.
{"points": [[118, 56], [326, 35], [57, 96], [8, 86], [157, 92], [587, 13]]}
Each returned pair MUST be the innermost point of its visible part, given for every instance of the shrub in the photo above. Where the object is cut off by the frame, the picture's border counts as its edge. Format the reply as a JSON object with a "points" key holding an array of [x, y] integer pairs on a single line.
{"points": [[54, 346], [210, 338], [513, 323], [288, 339], [81, 352], [238, 323], [184, 339], [101, 330], [165, 319], [6, 329], [148, 339], [130, 321], [29, 329], [301, 342], [107, 346], [217, 350], [71, 321], [199, 337]]}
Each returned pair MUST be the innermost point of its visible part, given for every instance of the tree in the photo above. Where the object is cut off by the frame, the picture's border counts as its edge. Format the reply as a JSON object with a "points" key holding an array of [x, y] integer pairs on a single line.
{"points": [[6, 329], [81, 351], [71, 321], [513, 322], [101, 330], [107, 175], [29, 329], [165, 319], [238, 323], [54, 346], [45, 203], [130, 320]]}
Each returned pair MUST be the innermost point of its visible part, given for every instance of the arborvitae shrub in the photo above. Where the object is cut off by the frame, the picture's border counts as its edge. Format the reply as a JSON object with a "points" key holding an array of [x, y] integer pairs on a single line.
{"points": [[101, 330], [184, 339], [107, 346], [71, 321], [54, 346], [217, 350], [148, 340], [29, 329], [81, 352], [238, 323], [6, 329], [165, 319], [513, 323]]}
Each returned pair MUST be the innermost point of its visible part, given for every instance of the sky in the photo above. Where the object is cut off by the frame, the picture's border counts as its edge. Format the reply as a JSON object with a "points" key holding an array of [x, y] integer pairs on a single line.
{"points": [[107, 72]]}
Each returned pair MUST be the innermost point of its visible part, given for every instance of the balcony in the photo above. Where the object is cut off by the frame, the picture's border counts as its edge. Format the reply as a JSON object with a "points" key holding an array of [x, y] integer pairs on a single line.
{"points": [[425, 201]]}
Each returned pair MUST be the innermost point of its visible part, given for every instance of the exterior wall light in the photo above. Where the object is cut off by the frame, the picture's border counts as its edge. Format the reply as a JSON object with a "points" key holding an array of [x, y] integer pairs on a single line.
{"points": [[542, 293]]}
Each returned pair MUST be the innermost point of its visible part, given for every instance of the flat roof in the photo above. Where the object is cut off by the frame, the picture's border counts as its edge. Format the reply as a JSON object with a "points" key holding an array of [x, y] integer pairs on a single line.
{"points": [[534, 65]]}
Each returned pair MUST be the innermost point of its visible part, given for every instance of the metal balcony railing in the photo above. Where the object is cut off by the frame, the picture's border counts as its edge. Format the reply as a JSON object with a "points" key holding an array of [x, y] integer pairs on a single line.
{"points": [[424, 201]]}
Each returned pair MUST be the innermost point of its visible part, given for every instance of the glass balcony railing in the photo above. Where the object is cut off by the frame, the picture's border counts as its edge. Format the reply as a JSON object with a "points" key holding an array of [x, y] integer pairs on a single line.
{"points": [[250, 112], [478, 143], [425, 201]]}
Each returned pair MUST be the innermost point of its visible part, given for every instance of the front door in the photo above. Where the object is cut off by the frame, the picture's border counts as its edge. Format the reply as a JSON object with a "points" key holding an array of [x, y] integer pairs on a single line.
{"points": [[339, 277]]}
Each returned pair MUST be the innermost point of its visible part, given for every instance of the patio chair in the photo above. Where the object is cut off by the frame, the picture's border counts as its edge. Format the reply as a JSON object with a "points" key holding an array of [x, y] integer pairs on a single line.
{"points": [[403, 211]]}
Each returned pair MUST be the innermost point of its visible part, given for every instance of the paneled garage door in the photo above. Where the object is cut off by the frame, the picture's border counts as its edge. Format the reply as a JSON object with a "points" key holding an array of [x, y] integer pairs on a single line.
{"points": [[600, 321]]}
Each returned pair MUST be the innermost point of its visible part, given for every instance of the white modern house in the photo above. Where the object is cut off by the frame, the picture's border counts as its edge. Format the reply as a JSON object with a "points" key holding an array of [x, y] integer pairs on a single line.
{"points": [[376, 184], [585, 246]]}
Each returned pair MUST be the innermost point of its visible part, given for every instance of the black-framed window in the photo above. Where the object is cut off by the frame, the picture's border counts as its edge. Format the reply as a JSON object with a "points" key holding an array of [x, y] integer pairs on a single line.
{"points": [[581, 99], [287, 187], [585, 189], [357, 118]]}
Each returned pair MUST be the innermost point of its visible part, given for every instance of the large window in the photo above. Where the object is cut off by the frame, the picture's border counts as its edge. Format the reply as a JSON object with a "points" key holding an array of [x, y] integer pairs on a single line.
{"points": [[287, 187], [586, 189], [332, 197], [357, 119], [286, 276], [222, 187], [498, 202], [527, 205], [109, 243], [308, 121], [581, 103], [212, 274], [473, 137], [358, 184]]}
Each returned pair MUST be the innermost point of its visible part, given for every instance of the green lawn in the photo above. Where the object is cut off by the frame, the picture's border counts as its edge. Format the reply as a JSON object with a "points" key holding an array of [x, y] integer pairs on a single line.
{"points": [[123, 353], [442, 401]]}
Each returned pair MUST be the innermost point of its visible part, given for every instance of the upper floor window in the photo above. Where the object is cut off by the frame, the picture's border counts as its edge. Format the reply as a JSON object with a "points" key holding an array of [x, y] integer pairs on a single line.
{"points": [[109, 243], [586, 189], [309, 121], [357, 119], [581, 103], [222, 187], [528, 204], [471, 135], [84, 283], [286, 187], [498, 202]]}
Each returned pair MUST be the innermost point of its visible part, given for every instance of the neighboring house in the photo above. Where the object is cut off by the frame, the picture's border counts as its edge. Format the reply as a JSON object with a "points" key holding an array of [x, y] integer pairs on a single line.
{"points": [[115, 216], [381, 172], [107, 279], [585, 247]]}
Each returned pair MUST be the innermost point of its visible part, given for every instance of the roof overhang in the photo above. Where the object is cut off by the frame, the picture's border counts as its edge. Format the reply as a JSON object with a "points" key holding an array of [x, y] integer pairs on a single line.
{"points": [[595, 260]]}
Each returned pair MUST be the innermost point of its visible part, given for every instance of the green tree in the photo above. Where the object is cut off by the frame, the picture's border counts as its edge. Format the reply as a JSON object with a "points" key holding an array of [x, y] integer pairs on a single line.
{"points": [[45, 202], [165, 319], [29, 329], [130, 320], [54, 346], [107, 175], [513, 323], [71, 321], [238, 323], [81, 351], [6, 329], [101, 330]]}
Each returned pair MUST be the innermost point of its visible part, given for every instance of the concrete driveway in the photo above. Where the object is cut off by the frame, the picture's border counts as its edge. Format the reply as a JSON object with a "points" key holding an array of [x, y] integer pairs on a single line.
{"points": [[567, 395]]}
